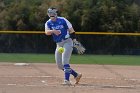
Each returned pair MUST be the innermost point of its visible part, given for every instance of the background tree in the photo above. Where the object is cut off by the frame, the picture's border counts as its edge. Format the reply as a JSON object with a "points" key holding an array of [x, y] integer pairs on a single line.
{"points": [[85, 15]]}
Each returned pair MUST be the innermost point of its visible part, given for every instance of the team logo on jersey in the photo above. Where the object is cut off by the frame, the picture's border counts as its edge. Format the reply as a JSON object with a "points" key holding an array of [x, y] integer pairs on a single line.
{"points": [[52, 24], [58, 27], [59, 22]]}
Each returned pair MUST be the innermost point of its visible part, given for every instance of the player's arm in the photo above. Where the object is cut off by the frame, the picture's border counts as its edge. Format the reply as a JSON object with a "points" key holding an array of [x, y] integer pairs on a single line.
{"points": [[72, 34], [50, 32], [79, 47], [70, 29]]}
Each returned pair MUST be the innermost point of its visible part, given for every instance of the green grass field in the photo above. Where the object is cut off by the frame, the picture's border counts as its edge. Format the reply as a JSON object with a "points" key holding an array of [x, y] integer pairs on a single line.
{"points": [[75, 59]]}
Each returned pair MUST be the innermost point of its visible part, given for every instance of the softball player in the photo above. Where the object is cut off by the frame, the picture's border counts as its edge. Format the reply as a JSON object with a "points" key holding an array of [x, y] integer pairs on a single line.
{"points": [[64, 35]]}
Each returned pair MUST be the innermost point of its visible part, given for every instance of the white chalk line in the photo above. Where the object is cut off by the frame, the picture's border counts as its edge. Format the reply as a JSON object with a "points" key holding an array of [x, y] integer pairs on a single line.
{"points": [[31, 76], [78, 86], [44, 76], [44, 82], [129, 79], [28, 76]]}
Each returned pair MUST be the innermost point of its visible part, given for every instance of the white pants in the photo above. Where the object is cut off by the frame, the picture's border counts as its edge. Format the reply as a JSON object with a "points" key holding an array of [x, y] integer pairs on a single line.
{"points": [[64, 58]]}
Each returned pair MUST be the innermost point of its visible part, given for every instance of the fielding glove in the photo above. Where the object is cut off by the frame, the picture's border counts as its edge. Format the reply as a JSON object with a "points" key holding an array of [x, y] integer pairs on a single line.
{"points": [[80, 49]]}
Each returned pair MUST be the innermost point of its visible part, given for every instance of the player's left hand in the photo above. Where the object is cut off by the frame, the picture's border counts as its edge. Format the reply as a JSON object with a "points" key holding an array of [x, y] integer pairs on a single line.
{"points": [[79, 47]]}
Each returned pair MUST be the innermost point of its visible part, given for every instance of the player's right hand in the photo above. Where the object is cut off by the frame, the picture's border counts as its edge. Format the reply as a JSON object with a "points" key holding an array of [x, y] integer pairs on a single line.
{"points": [[56, 32]]}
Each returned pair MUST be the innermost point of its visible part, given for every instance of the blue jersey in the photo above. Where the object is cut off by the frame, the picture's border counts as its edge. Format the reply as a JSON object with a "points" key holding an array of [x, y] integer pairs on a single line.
{"points": [[61, 24]]}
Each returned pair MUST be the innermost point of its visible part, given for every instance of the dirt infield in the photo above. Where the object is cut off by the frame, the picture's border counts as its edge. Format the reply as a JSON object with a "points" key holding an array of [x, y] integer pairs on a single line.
{"points": [[46, 78]]}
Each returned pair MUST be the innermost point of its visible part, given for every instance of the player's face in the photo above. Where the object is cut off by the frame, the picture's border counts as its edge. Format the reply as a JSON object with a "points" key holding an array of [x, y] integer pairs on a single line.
{"points": [[52, 16]]}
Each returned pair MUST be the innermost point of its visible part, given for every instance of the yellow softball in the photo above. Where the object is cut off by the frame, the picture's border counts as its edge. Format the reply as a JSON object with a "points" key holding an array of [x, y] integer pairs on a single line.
{"points": [[60, 49]]}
